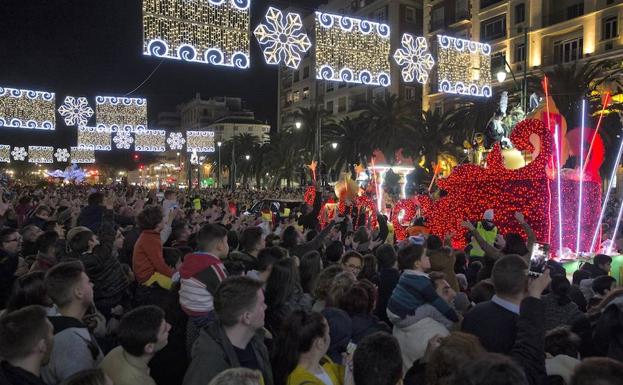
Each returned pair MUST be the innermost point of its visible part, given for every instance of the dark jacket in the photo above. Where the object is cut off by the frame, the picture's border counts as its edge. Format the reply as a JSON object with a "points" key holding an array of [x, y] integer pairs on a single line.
{"points": [[35, 220], [11, 375], [529, 346], [101, 266], [91, 217], [593, 270], [213, 353], [8, 265], [388, 279], [247, 261], [276, 314], [495, 326], [557, 314], [609, 331], [364, 325], [310, 220], [314, 244]]}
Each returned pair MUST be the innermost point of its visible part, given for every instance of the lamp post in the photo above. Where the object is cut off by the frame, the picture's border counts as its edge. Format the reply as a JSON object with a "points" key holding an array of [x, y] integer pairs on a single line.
{"points": [[219, 144], [501, 75]]}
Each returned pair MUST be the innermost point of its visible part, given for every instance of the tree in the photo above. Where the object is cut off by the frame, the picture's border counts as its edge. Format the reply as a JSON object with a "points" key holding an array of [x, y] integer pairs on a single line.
{"points": [[236, 149], [352, 137], [283, 157], [308, 117], [435, 133]]}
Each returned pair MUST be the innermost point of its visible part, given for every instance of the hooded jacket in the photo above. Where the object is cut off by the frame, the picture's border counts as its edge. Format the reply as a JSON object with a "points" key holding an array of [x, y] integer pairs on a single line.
{"points": [[213, 353]]}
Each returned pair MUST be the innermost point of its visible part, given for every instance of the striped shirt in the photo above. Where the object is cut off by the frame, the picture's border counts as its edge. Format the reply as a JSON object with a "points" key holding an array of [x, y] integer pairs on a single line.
{"points": [[200, 275]]}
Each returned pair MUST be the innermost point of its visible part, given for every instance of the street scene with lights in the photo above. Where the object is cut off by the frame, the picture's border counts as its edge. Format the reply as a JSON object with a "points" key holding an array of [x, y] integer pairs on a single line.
{"points": [[311, 192]]}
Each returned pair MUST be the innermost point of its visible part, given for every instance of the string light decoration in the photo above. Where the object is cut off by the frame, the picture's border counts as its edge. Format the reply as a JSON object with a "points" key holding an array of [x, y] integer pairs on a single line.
{"points": [[176, 141], [75, 111], [94, 138], [414, 58], [200, 141], [19, 153], [116, 113], [352, 50], [463, 66], [205, 31], [123, 140], [40, 154], [408, 209], [61, 155], [150, 140], [5, 153], [27, 109], [82, 155], [310, 195], [283, 38]]}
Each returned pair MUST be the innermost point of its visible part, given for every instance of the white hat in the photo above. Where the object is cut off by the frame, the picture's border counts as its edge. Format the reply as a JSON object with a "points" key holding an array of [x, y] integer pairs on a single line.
{"points": [[488, 215]]}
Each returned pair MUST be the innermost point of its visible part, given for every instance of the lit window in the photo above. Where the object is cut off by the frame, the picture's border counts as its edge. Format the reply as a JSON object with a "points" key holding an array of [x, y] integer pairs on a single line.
{"points": [[520, 13], [493, 28], [610, 28], [520, 53]]}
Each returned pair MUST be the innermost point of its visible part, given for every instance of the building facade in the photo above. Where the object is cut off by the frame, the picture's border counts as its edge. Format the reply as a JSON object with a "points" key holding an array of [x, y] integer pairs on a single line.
{"points": [[299, 88], [526, 35]]}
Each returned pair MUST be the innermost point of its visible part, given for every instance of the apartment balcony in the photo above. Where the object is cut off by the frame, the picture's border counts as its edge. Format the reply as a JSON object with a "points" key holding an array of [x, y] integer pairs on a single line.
{"points": [[560, 16], [461, 17], [437, 25], [487, 3]]}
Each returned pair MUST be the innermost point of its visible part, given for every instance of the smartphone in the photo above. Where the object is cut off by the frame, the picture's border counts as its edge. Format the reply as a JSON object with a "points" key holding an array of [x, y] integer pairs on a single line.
{"points": [[540, 253]]}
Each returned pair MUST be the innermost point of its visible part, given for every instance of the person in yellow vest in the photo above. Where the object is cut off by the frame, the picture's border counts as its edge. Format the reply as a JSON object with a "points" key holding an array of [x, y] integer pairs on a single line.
{"points": [[487, 230], [300, 354]]}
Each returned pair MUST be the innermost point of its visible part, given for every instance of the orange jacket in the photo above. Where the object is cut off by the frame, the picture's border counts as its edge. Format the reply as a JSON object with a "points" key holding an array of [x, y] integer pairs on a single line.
{"points": [[147, 258]]}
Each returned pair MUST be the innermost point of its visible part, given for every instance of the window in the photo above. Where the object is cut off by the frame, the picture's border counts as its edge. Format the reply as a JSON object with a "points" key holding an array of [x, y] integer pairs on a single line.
{"points": [[297, 96], [568, 50], [461, 10], [493, 28], [329, 86], [296, 75], [288, 98], [341, 105], [305, 93], [410, 15], [437, 19], [610, 28], [329, 106], [575, 10], [409, 93], [520, 13], [305, 72], [520, 53]]}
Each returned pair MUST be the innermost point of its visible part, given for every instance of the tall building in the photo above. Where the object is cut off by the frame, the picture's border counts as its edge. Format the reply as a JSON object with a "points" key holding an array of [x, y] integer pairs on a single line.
{"points": [[226, 116], [526, 35], [300, 89]]}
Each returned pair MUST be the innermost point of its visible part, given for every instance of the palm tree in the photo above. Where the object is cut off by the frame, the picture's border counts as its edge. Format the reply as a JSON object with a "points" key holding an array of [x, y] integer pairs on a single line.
{"points": [[351, 135], [389, 121], [308, 118], [239, 147], [283, 157], [435, 133]]}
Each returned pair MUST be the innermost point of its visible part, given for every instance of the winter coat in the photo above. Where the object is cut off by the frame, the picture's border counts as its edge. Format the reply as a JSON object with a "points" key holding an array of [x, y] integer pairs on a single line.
{"points": [[608, 335], [366, 324]]}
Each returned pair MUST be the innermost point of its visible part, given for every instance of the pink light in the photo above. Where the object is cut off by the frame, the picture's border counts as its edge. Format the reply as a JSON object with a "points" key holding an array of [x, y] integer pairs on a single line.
{"points": [[559, 198], [601, 115], [579, 232], [616, 229]]}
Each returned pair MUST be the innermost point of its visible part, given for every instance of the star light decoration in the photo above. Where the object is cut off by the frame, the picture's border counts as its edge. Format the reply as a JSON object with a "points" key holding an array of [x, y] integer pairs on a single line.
{"points": [[27, 109], [283, 38], [176, 141], [75, 111], [414, 58], [123, 140], [19, 153], [61, 155]]}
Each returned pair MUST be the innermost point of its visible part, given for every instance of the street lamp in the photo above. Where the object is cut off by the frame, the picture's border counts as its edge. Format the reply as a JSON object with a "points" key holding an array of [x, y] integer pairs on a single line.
{"points": [[219, 144], [334, 145], [501, 75], [298, 125], [247, 157]]}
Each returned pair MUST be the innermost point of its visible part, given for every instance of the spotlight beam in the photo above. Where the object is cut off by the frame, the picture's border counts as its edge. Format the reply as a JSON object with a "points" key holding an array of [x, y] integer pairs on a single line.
{"points": [[579, 221]]}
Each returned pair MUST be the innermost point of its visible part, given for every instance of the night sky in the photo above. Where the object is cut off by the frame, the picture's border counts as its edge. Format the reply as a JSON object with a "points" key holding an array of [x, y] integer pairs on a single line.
{"points": [[89, 48]]}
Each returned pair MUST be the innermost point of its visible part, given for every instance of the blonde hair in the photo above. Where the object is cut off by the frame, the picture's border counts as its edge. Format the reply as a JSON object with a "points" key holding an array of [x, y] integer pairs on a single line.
{"points": [[237, 376]]}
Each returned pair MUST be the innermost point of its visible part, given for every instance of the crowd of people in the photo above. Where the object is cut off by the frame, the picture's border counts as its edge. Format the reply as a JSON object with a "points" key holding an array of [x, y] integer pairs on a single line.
{"points": [[121, 285]]}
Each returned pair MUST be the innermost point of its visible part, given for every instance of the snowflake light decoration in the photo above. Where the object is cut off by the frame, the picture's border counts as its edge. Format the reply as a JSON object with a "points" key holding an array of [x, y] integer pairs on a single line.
{"points": [[61, 155], [414, 58], [176, 141], [19, 153], [76, 111], [283, 38], [123, 140]]}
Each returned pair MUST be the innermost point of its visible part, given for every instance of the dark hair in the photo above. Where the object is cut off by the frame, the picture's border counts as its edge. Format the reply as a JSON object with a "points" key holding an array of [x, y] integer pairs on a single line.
{"points": [[359, 298], [21, 330], [408, 255], [482, 291], [603, 283], [598, 371], [435, 276], [377, 360], [267, 257], [433, 242], [490, 369], [234, 296], [209, 234], [272, 240], [79, 243], [454, 352], [5, 233], [289, 238], [232, 240], [510, 275], [339, 287], [150, 217], [168, 193], [560, 289], [579, 276], [311, 234], [46, 241], [140, 327], [297, 335], [386, 256], [601, 259], [334, 251], [250, 238], [562, 340], [282, 282], [87, 377], [369, 268], [515, 244], [325, 281], [60, 280], [29, 289], [95, 199], [309, 269], [351, 254]]}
